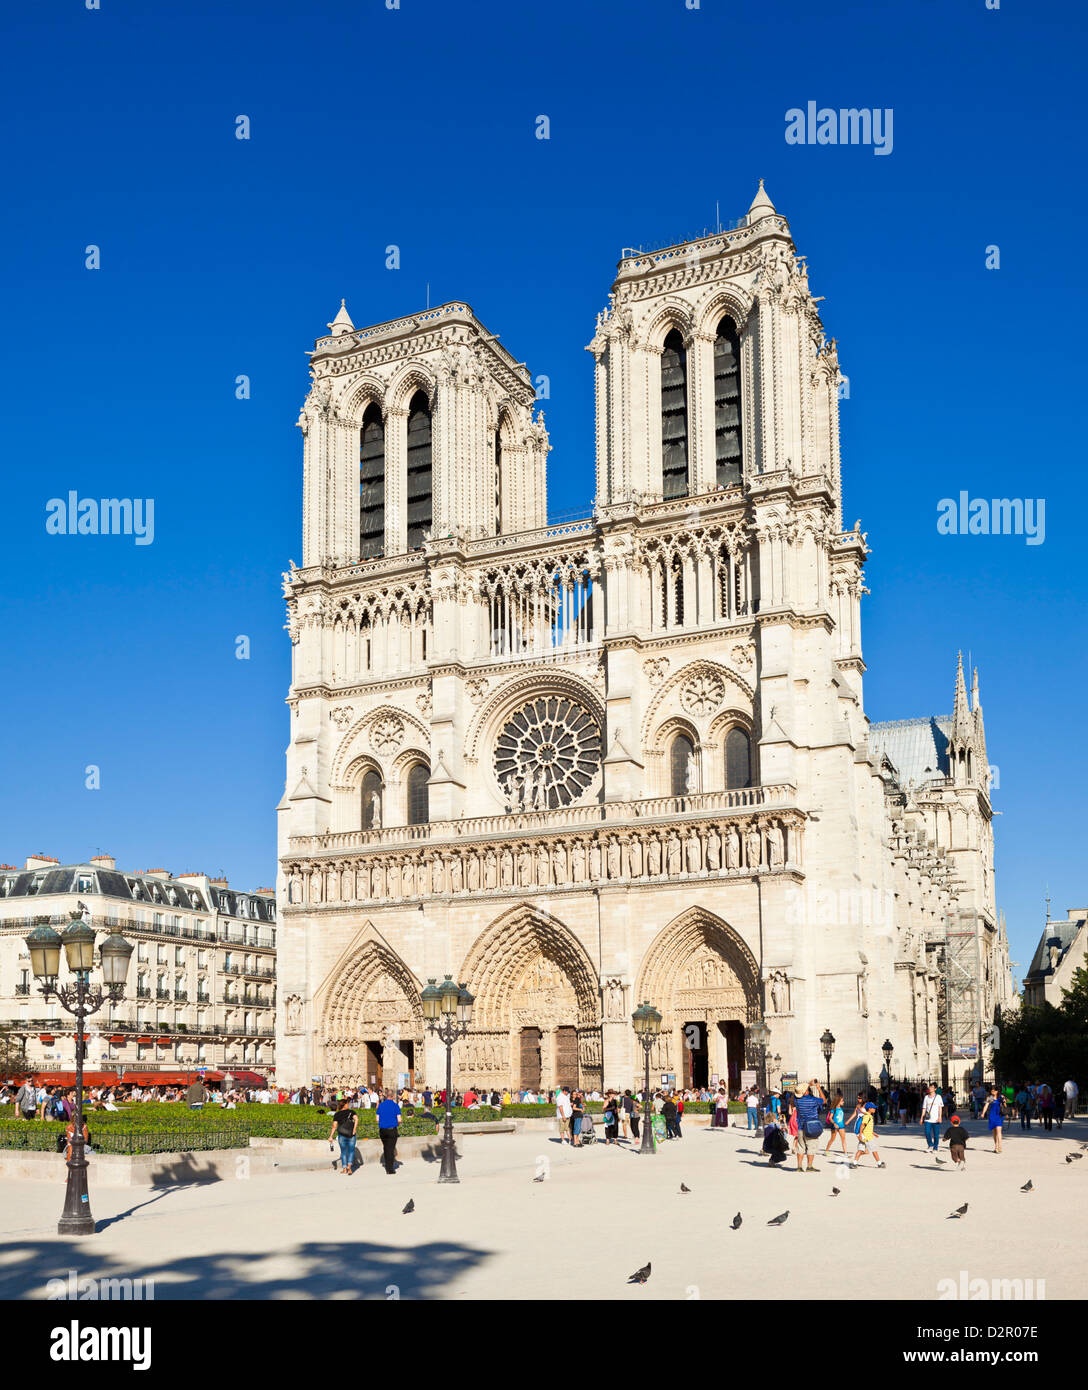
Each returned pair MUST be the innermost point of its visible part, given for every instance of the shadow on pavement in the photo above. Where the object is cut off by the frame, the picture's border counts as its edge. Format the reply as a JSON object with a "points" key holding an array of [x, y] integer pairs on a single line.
{"points": [[324, 1269]]}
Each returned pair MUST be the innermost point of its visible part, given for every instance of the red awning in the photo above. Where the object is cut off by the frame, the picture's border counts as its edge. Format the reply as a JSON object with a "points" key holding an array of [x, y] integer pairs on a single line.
{"points": [[68, 1078], [243, 1078]]}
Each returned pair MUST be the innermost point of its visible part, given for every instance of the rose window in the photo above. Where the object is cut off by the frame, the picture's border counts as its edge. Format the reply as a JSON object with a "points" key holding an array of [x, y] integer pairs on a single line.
{"points": [[547, 754]]}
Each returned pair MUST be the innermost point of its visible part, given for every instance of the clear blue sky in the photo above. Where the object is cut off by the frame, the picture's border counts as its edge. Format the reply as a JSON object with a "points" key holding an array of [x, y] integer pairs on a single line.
{"points": [[415, 126]]}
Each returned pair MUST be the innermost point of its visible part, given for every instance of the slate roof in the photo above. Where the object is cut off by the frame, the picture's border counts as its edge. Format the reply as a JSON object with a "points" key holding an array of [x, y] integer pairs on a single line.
{"points": [[1060, 934], [917, 748]]}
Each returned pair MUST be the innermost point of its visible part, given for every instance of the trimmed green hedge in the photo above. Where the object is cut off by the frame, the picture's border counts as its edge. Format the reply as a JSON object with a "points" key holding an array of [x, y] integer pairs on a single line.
{"points": [[174, 1128]]}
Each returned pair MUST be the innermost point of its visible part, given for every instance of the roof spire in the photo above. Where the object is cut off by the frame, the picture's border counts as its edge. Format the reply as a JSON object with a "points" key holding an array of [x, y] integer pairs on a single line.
{"points": [[761, 205], [961, 722], [342, 322]]}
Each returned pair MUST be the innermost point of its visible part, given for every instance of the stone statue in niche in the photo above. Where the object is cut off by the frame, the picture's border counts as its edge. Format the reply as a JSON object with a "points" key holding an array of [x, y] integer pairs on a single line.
{"points": [[653, 855], [713, 850], [673, 852], [780, 992], [578, 862], [613, 999], [491, 869], [559, 863], [473, 872], [732, 848], [315, 887], [614, 870], [694, 852], [634, 857], [543, 876], [507, 869], [775, 845], [595, 860], [294, 1014], [456, 874], [691, 775], [754, 847]]}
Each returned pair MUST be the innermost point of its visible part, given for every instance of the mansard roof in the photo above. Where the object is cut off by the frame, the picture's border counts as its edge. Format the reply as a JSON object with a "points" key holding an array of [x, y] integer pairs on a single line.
{"points": [[917, 748], [1061, 934], [152, 889]]}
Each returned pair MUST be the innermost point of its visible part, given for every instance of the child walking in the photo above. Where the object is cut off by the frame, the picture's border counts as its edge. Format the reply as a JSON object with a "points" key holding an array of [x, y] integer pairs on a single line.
{"points": [[957, 1143], [866, 1139]]}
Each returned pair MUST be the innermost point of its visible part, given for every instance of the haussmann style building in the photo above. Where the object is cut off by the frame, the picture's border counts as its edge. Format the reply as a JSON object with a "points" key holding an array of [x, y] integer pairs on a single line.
{"points": [[201, 990], [625, 758]]}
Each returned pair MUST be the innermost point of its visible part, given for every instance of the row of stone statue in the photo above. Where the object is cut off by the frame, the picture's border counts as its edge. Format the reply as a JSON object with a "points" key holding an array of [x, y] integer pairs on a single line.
{"points": [[594, 858]]}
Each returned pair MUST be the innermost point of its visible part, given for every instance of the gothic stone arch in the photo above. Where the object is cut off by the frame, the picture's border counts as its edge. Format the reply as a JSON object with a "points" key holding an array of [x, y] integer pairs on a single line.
{"points": [[528, 971], [697, 969], [371, 997]]}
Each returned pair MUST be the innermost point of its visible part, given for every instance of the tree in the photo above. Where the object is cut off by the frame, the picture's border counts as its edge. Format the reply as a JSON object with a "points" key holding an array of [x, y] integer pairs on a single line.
{"points": [[12, 1053]]}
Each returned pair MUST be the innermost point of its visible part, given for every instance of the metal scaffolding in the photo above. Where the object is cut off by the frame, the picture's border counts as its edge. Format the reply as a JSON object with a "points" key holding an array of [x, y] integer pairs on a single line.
{"points": [[962, 968]]}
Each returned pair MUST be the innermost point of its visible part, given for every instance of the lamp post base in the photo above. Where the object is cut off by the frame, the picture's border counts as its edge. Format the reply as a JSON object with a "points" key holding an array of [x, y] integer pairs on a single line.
{"points": [[76, 1226]]}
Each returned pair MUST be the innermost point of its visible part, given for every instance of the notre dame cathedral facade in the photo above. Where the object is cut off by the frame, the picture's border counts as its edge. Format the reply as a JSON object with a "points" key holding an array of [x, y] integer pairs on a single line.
{"points": [[625, 758]]}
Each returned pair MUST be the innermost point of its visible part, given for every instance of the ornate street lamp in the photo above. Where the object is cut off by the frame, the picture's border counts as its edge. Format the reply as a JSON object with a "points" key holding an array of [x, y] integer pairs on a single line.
{"points": [[887, 1050], [647, 1025], [759, 1035], [80, 999], [777, 1064], [827, 1042], [447, 1009]]}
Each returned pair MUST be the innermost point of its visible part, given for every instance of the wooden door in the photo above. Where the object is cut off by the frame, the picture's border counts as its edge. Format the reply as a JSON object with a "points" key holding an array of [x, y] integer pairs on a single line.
{"points": [[529, 1072], [566, 1056]]}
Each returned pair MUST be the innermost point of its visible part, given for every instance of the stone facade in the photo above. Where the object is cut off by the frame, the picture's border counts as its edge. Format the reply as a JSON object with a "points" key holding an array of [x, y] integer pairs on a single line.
{"points": [[624, 758]]}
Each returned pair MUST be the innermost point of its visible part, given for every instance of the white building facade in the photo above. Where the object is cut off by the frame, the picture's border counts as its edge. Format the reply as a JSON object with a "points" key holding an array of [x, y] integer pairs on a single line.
{"points": [[201, 988], [625, 758]]}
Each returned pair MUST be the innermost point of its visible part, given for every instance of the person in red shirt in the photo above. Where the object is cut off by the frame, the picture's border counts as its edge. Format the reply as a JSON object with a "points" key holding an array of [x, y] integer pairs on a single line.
{"points": [[470, 1098]]}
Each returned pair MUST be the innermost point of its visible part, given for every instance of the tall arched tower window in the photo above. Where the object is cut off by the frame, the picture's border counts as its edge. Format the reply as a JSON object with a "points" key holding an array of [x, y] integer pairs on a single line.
{"points": [[372, 484], [418, 811], [727, 444], [738, 760], [674, 417], [419, 469], [498, 482], [681, 758]]}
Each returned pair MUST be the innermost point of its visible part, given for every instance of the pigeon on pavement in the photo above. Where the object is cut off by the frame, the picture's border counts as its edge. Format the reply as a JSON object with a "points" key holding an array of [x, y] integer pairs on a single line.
{"points": [[778, 1220], [1027, 1187], [684, 1189], [1073, 1157], [736, 1222], [640, 1275], [834, 1192], [410, 1207], [539, 1178], [960, 1211]]}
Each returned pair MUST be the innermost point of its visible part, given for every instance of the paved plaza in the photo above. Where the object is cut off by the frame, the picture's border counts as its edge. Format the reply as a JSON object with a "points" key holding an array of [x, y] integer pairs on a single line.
{"points": [[600, 1214]]}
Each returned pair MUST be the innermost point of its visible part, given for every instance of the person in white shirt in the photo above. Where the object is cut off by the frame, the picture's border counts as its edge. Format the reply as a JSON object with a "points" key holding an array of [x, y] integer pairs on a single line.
{"points": [[1072, 1091], [563, 1111], [932, 1111]]}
